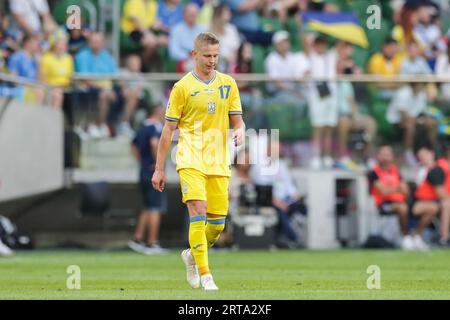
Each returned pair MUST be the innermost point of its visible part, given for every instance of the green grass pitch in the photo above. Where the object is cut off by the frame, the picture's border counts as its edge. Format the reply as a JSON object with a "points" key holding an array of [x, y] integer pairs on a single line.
{"points": [[239, 274]]}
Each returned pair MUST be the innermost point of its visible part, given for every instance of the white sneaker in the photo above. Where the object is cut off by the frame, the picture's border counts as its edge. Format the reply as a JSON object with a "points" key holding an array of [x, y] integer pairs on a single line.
{"points": [[5, 251], [156, 249], [419, 244], [208, 283], [316, 163], [126, 130], [408, 243], [192, 275], [94, 131], [328, 162], [138, 246], [104, 131]]}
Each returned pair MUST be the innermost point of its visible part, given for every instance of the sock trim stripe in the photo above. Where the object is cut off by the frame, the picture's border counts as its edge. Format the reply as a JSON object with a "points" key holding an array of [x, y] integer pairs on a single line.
{"points": [[220, 221], [198, 218]]}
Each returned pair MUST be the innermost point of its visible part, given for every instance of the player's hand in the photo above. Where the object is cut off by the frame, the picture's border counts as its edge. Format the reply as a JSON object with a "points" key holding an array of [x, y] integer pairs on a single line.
{"points": [[238, 137], [158, 180]]}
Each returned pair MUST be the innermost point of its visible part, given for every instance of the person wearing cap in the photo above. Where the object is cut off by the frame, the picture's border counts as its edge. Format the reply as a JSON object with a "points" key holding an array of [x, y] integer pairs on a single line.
{"points": [[57, 67], [283, 63]]}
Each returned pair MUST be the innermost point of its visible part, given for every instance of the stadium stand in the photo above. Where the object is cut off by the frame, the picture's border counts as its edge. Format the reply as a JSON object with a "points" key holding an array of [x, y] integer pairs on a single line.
{"points": [[293, 121]]}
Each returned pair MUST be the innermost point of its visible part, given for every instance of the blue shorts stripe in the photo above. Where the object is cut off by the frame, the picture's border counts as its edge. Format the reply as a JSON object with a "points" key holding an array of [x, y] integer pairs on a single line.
{"points": [[219, 221], [198, 218]]}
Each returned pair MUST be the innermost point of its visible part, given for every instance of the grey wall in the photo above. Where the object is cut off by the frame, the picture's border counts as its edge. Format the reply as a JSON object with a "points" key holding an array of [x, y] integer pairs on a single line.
{"points": [[31, 151]]}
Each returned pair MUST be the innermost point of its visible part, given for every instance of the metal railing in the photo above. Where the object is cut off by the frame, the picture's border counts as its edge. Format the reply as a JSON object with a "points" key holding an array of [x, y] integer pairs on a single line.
{"points": [[261, 77]]}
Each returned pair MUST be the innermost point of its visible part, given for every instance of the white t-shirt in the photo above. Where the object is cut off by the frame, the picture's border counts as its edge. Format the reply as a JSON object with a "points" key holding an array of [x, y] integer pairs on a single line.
{"points": [[229, 42], [291, 65], [405, 100], [30, 10], [323, 65]]}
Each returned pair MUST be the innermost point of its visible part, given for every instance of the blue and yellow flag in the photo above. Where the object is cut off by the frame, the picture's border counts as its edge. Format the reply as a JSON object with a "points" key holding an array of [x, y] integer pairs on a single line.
{"points": [[342, 25]]}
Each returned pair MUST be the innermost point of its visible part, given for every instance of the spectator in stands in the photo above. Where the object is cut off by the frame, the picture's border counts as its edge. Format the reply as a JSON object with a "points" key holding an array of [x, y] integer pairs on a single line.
{"points": [[431, 197], [251, 95], [407, 110], [245, 17], [205, 16], [24, 63], [140, 23], [386, 63], [132, 91], [227, 34], [443, 68], [322, 103], [428, 33], [414, 63], [283, 63], [28, 15], [350, 117], [144, 148], [9, 38], [182, 36], [97, 60], [403, 32], [170, 13], [78, 39], [390, 192], [57, 67]]}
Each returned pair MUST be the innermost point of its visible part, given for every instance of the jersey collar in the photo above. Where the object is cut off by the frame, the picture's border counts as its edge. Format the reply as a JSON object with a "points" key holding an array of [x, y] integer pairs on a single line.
{"points": [[205, 82]]}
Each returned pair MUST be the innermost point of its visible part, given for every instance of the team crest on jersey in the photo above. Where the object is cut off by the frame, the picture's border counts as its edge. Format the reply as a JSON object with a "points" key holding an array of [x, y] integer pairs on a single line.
{"points": [[208, 91], [195, 93], [211, 107]]}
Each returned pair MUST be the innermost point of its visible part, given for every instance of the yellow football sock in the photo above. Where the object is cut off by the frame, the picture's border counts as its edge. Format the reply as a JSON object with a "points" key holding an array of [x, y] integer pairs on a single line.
{"points": [[197, 241], [214, 227]]}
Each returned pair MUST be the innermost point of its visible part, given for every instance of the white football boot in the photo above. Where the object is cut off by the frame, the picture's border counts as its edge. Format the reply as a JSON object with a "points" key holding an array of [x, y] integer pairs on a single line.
{"points": [[192, 275], [208, 283]]}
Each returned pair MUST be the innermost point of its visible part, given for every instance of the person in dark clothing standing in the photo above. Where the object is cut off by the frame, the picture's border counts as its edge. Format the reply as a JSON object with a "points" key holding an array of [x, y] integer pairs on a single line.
{"points": [[144, 147]]}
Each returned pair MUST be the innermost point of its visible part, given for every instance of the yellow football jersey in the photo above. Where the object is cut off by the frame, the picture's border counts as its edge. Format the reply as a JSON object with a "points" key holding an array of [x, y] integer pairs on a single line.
{"points": [[202, 111]]}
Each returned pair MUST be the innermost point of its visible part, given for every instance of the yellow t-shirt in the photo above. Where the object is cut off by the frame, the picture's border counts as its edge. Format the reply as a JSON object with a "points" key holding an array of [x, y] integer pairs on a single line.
{"points": [[145, 11], [55, 70], [202, 111], [379, 65]]}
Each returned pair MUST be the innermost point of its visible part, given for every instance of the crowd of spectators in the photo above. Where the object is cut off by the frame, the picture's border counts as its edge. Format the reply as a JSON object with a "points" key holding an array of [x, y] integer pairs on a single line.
{"points": [[34, 46]]}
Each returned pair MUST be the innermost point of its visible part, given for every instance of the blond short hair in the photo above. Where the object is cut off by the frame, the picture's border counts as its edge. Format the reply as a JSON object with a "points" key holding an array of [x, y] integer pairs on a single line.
{"points": [[205, 38]]}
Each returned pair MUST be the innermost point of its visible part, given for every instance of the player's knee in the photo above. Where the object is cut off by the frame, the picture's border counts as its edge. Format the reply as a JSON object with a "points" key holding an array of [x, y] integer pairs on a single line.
{"points": [[197, 207]]}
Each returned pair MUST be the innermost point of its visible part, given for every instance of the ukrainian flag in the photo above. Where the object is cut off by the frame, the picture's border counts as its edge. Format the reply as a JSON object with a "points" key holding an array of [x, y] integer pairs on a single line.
{"points": [[342, 25]]}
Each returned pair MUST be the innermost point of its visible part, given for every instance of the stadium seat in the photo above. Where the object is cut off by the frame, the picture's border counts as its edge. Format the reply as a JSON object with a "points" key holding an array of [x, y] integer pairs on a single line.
{"points": [[292, 121], [294, 37], [259, 55], [378, 109]]}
